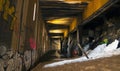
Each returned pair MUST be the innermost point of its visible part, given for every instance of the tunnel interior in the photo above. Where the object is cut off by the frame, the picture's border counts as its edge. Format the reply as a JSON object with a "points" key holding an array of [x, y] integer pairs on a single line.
{"points": [[33, 31]]}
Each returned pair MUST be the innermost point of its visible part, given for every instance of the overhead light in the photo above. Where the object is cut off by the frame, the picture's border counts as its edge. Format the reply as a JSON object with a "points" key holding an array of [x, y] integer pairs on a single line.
{"points": [[51, 0], [76, 1], [73, 2], [66, 21], [57, 31]]}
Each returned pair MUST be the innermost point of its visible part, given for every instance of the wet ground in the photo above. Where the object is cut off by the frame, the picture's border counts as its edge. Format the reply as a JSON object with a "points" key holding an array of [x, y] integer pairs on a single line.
{"points": [[103, 64]]}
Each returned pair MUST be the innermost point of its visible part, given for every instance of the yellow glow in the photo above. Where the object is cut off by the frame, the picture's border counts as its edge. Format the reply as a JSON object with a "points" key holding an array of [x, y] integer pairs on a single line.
{"points": [[64, 31], [92, 7], [73, 25], [72, 2], [56, 37], [57, 31], [66, 21], [76, 1]]}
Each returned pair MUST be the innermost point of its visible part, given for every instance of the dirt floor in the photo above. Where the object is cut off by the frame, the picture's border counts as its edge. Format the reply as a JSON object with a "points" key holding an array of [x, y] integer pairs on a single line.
{"points": [[103, 64]]}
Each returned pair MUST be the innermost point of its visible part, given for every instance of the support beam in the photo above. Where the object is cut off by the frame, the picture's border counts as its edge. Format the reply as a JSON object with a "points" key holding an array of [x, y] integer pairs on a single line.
{"points": [[98, 12], [54, 26], [56, 34]]}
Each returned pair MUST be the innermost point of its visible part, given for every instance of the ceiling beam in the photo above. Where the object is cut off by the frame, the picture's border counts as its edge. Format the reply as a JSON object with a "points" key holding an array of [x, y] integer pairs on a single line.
{"points": [[61, 11], [56, 34], [61, 4], [61, 15], [54, 26]]}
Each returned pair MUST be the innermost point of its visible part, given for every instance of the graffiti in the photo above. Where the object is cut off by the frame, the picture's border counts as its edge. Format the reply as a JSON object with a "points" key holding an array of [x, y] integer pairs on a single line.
{"points": [[14, 61], [32, 43], [8, 10], [7, 22], [1, 4]]}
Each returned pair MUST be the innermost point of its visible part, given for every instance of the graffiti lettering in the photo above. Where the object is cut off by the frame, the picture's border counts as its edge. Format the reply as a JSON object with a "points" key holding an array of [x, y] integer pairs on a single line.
{"points": [[1, 4], [9, 11]]}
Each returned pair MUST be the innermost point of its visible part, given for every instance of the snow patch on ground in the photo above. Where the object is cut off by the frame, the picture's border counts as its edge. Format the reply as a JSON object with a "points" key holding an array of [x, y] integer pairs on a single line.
{"points": [[100, 51]]}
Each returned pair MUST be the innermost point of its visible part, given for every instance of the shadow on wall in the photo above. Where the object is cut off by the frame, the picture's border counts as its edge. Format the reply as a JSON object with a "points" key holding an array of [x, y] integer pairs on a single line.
{"points": [[48, 56]]}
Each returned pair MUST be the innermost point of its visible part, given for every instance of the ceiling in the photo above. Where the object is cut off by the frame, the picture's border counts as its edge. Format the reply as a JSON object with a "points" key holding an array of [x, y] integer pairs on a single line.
{"points": [[59, 14]]}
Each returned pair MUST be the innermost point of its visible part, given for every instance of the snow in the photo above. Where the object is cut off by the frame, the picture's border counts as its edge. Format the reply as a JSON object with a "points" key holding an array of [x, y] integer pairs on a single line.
{"points": [[100, 51], [86, 47], [112, 46]]}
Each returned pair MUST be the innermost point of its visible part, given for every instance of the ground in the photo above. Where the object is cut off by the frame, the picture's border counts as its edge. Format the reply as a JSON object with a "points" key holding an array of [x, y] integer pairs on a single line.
{"points": [[102, 64]]}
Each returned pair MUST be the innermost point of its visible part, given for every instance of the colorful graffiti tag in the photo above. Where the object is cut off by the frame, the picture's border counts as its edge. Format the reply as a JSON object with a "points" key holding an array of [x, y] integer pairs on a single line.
{"points": [[7, 8], [7, 20]]}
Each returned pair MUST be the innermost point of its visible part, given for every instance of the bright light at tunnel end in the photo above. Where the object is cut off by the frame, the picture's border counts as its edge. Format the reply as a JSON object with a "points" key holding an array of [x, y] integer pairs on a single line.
{"points": [[56, 31]]}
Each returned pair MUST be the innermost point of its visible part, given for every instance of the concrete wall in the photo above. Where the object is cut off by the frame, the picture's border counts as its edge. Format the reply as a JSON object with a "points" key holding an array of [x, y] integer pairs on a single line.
{"points": [[29, 39]]}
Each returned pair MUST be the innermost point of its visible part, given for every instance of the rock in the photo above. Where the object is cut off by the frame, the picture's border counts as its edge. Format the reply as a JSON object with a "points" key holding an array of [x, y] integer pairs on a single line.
{"points": [[5, 57], [2, 50], [10, 53], [18, 64], [10, 66], [1, 68], [27, 59], [1, 65], [33, 56]]}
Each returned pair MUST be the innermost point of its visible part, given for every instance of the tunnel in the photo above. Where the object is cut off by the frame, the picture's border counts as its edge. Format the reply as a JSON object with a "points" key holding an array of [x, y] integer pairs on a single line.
{"points": [[34, 33]]}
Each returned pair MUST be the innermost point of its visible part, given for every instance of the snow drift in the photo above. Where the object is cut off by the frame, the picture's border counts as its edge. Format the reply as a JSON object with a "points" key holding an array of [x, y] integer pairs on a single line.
{"points": [[100, 51]]}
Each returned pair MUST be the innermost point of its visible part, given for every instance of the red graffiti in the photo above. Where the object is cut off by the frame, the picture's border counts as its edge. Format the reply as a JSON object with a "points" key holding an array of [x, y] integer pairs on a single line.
{"points": [[32, 43]]}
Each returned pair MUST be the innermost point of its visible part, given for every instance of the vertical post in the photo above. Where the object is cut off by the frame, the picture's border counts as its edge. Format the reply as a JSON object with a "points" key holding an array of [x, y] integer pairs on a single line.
{"points": [[37, 30], [79, 29], [82, 50], [20, 26], [60, 45], [79, 34], [79, 42], [78, 37]]}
